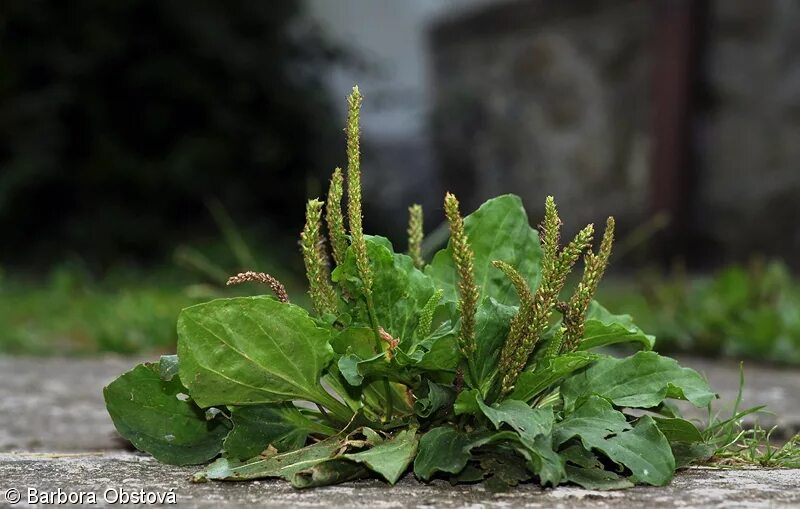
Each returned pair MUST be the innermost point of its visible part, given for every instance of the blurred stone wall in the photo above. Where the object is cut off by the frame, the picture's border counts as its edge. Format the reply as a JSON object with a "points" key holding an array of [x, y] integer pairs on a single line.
{"points": [[542, 97], [749, 189]]}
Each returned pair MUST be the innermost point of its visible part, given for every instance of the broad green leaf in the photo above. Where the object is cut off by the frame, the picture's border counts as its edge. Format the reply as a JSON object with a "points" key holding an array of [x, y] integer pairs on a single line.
{"points": [[390, 458], [643, 449], [596, 478], [280, 425], [642, 380], [442, 449], [678, 430], [528, 422], [249, 350], [498, 230], [158, 417], [445, 449], [280, 465], [467, 402], [595, 417], [357, 340], [685, 440], [399, 289], [550, 371], [544, 461], [603, 328], [438, 397]]}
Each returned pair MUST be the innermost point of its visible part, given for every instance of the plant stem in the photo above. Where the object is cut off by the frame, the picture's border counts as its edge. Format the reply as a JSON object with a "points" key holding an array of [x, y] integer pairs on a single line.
{"points": [[389, 408]]}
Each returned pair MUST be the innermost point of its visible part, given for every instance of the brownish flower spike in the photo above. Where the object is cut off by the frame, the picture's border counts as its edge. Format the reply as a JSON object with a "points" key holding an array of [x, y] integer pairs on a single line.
{"points": [[261, 277]]}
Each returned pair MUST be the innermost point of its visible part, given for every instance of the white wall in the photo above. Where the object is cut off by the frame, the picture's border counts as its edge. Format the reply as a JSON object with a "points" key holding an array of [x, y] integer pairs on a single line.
{"points": [[391, 34]]}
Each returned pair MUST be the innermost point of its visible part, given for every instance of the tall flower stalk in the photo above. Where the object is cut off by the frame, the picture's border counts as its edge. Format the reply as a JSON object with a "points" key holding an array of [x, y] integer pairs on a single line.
{"points": [[354, 217], [467, 289], [322, 294]]}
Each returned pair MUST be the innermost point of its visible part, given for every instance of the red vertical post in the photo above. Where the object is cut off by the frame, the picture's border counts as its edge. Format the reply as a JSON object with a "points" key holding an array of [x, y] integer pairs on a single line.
{"points": [[676, 54]]}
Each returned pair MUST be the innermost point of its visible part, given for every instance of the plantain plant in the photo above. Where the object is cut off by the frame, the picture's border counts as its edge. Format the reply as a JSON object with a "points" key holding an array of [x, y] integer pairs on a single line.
{"points": [[468, 367]]}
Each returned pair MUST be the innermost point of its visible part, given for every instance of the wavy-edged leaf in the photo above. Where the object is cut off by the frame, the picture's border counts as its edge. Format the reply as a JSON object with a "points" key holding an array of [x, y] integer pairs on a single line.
{"points": [[528, 422], [643, 449], [281, 425], [544, 461], [642, 380], [442, 449], [159, 417], [604, 328], [249, 350], [353, 368]]}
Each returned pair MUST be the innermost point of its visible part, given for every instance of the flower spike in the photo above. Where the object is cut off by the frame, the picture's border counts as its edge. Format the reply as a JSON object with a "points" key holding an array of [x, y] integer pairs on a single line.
{"points": [[354, 190], [323, 296], [595, 267], [415, 235], [467, 289], [334, 218], [260, 277]]}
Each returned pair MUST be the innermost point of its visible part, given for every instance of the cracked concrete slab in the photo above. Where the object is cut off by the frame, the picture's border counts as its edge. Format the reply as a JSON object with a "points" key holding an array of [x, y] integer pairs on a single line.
{"points": [[55, 434], [132, 472]]}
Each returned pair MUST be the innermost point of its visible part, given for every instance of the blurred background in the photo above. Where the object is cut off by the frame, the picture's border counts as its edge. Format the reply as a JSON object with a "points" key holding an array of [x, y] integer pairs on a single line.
{"points": [[150, 149]]}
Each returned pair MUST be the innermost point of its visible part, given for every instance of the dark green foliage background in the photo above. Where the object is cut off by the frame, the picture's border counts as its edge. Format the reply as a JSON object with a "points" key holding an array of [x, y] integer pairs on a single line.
{"points": [[118, 119]]}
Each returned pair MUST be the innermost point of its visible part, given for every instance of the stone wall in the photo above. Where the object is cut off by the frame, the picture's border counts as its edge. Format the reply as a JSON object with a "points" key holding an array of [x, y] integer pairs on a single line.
{"points": [[540, 98], [750, 185]]}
